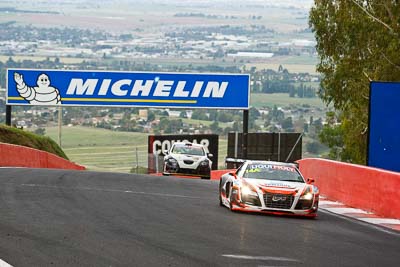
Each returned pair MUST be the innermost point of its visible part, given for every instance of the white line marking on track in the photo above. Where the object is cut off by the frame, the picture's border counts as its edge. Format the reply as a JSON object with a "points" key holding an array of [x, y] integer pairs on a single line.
{"points": [[4, 264], [263, 258], [108, 190]]}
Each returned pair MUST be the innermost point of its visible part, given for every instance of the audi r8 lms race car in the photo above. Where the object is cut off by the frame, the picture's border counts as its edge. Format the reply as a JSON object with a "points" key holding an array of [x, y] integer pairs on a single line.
{"points": [[269, 187], [188, 159]]}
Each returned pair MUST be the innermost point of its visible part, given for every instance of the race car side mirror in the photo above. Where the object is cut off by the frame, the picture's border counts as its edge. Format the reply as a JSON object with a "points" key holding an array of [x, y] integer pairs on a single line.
{"points": [[210, 155], [310, 180]]}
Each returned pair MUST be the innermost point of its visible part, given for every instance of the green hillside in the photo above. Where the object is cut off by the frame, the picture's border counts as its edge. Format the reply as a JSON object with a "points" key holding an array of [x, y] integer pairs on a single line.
{"points": [[16, 136]]}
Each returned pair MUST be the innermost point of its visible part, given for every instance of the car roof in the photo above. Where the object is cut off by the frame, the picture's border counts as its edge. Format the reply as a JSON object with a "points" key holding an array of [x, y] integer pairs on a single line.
{"points": [[188, 143]]}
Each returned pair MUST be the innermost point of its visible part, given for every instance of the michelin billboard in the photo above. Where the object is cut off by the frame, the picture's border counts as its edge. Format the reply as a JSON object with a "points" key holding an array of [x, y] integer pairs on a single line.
{"points": [[127, 89]]}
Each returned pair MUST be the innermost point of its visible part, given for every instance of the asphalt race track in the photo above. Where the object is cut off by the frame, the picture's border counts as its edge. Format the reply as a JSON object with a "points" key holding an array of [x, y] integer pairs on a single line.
{"points": [[72, 218]]}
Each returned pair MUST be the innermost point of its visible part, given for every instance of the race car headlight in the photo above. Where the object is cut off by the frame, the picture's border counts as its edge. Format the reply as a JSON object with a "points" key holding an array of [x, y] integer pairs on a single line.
{"points": [[204, 163], [307, 195], [172, 160], [315, 190], [247, 191]]}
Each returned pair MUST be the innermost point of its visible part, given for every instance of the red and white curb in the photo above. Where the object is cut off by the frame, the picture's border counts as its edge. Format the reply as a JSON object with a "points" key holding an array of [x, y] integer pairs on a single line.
{"points": [[361, 215]]}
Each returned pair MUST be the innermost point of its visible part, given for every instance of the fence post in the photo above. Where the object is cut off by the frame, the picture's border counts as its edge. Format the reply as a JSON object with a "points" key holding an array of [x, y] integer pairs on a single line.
{"points": [[137, 161], [156, 160]]}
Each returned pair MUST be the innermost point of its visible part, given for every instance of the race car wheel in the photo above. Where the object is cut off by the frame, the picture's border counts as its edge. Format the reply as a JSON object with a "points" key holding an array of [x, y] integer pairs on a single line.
{"points": [[230, 198], [206, 175], [220, 192]]}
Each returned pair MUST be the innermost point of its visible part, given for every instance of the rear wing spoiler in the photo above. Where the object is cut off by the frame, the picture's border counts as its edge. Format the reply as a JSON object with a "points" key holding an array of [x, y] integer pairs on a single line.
{"points": [[233, 160]]}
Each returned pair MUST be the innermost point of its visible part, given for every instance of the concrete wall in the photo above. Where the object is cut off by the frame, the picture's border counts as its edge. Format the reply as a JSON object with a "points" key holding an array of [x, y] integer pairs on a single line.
{"points": [[21, 156], [362, 187]]}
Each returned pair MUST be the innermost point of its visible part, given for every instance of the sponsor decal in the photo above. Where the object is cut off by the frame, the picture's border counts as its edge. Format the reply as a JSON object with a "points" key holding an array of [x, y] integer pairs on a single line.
{"points": [[160, 146], [277, 185], [278, 198], [260, 167], [41, 94]]}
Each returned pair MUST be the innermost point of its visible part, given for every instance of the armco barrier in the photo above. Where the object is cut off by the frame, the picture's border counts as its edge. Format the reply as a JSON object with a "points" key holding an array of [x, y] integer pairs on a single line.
{"points": [[21, 156], [366, 188]]}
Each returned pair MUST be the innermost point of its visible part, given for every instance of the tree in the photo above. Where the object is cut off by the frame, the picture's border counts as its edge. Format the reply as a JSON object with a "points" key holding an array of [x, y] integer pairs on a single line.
{"points": [[213, 115], [174, 126], [287, 124], [151, 116], [276, 114], [214, 127], [292, 92], [314, 147], [199, 114], [183, 114], [40, 131], [254, 113], [358, 41], [225, 116]]}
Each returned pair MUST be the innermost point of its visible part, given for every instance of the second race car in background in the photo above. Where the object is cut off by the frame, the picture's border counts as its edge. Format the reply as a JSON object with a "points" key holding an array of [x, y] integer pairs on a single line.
{"points": [[188, 159], [269, 187]]}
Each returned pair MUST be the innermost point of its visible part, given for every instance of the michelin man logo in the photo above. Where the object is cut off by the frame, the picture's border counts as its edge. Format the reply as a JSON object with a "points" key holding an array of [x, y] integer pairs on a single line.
{"points": [[42, 94]]}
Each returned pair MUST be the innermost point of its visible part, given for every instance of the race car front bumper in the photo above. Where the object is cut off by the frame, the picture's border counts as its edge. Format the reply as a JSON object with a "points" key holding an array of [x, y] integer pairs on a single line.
{"points": [[276, 204], [303, 213], [173, 168]]}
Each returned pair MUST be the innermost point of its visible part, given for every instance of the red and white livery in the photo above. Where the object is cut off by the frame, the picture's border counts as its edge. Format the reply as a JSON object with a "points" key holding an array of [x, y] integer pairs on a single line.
{"points": [[269, 187]]}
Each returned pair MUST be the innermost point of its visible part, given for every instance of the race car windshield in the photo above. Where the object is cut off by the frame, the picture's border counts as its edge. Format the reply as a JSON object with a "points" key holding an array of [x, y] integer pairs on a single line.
{"points": [[188, 150], [272, 172]]}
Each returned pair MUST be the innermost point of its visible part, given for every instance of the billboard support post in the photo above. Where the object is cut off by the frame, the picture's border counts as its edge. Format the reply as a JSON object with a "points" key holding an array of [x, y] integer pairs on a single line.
{"points": [[245, 131], [8, 115]]}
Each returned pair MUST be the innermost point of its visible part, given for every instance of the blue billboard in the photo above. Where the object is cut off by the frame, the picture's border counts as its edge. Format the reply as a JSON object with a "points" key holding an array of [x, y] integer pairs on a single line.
{"points": [[384, 126], [127, 89]]}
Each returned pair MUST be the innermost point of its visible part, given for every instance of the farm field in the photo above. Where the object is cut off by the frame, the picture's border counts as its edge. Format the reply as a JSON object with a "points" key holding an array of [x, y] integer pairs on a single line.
{"points": [[101, 149], [294, 64], [128, 15], [67, 60], [106, 150], [269, 100]]}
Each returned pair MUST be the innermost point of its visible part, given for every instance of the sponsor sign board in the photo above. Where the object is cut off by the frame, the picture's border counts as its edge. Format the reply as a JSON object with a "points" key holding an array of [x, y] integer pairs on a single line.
{"points": [[127, 89], [384, 126], [157, 144], [283, 147]]}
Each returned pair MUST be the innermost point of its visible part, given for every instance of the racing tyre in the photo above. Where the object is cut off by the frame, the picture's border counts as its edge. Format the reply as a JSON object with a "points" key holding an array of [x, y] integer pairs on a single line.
{"points": [[220, 192], [206, 176], [230, 199]]}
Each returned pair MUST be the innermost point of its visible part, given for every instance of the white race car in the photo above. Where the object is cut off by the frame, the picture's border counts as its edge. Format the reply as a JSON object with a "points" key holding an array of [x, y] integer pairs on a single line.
{"points": [[269, 187], [187, 159]]}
